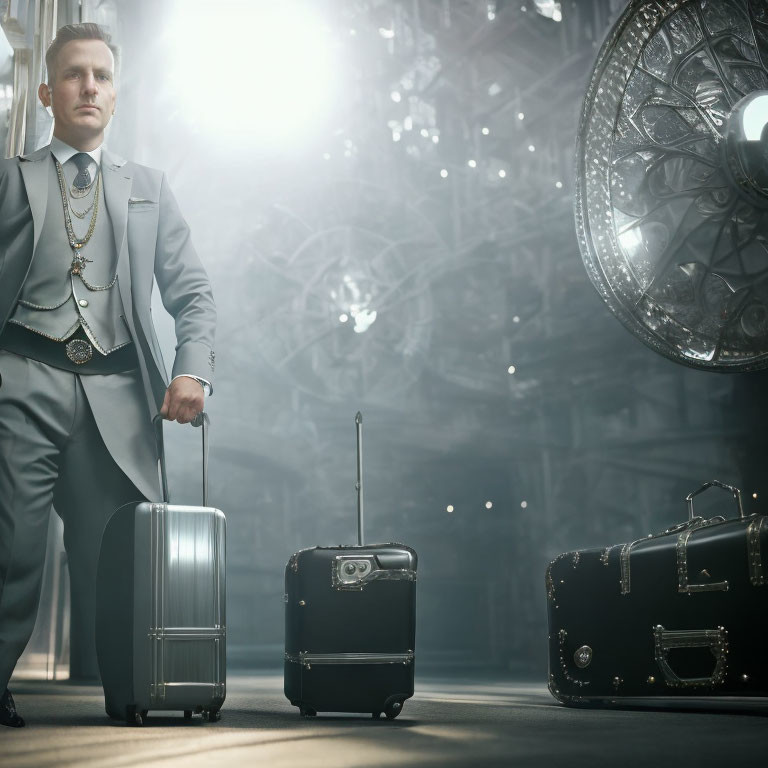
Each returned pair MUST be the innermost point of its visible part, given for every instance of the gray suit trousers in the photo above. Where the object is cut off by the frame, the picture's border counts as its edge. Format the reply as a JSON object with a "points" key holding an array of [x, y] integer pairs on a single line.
{"points": [[52, 453]]}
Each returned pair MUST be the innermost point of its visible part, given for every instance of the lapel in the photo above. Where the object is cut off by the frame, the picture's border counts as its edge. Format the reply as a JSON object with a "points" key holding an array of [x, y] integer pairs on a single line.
{"points": [[117, 189], [34, 171]]}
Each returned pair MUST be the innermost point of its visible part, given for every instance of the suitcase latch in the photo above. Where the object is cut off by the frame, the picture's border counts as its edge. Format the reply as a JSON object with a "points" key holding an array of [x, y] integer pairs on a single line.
{"points": [[354, 572]]}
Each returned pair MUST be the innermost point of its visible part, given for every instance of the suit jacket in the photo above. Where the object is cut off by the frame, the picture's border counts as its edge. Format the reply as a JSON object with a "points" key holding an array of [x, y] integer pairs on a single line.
{"points": [[152, 241]]}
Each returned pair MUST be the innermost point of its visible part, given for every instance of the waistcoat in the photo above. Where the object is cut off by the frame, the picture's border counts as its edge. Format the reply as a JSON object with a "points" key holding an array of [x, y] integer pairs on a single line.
{"points": [[54, 302]]}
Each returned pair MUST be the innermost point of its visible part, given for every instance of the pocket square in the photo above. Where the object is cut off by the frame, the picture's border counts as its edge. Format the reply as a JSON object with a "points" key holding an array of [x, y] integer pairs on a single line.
{"points": [[140, 201]]}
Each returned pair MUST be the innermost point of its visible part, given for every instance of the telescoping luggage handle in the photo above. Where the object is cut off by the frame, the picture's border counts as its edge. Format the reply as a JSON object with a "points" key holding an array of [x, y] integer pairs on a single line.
{"points": [[202, 420], [715, 484], [359, 483]]}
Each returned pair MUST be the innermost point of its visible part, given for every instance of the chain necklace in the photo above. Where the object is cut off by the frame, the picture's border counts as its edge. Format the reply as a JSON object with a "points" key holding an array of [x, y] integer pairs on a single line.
{"points": [[82, 214], [78, 259]]}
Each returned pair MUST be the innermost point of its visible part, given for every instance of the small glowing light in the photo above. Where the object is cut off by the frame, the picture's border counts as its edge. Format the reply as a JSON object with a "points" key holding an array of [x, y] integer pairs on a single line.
{"points": [[449, 508], [511, 369], [408, 123], [387, 34], [494, 89], [559, 184], [424, 132], [435, 139], [472, 163], [491, 15], [531, 148], [444, 173], [521, 115], [485, 131], [502, 174], [326, 155], [523, 8], [395, 96], [347, 153], [353, 32], [343, 317], [524, 504], [754, 495], [396, 136], [557, 15], [488, 504], [516, 319]]}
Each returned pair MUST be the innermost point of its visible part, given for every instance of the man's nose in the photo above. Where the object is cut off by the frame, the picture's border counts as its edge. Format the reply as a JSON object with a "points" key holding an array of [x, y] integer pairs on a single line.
{"points": [[89, 84]]}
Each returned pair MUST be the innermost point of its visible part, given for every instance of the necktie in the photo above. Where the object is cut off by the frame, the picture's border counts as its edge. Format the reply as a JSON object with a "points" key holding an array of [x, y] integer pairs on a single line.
{"points": [[83, 179]]}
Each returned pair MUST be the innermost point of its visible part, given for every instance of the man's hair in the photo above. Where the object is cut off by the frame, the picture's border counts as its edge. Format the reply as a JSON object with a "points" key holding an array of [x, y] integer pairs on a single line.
{"points": [[70, 32]]}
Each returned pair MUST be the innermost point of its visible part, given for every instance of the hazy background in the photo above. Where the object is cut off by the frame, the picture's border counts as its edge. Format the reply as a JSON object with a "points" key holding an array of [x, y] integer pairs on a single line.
{"points": [[381, 192]]}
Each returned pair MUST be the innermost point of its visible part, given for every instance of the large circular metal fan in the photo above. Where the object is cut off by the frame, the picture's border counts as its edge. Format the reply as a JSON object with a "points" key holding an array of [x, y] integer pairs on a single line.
{"points": [[672, 179]]}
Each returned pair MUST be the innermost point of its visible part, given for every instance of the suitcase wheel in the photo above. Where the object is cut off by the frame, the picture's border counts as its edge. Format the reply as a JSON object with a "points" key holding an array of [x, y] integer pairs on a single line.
{"points": [[375, 715], [307, 711], [187, 714], [393, 709], [134, 716], [211, 715]]}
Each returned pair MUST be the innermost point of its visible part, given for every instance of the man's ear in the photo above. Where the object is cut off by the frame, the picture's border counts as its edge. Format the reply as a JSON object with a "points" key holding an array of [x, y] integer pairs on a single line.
{"points": [[44, 94]]}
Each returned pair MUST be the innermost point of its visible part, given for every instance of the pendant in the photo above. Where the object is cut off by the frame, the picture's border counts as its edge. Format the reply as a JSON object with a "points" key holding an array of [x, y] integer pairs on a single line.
{"points": [[78, 264]]}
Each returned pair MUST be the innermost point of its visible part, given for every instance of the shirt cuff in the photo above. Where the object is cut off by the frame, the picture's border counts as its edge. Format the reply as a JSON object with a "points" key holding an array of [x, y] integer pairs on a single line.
{"points": [[204, 383]]}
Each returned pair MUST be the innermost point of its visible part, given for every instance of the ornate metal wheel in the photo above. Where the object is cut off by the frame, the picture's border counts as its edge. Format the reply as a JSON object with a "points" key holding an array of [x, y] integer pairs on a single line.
{"points": [[672, 179]]}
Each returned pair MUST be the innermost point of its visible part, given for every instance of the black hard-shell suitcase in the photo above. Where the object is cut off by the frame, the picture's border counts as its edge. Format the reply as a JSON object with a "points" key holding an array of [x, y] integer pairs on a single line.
{"points": [[668, 618], [161, 601], [350, 622]]}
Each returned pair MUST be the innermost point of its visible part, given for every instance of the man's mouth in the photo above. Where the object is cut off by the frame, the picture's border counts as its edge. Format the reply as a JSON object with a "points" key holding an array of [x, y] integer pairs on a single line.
{"points": [[88, 106]]}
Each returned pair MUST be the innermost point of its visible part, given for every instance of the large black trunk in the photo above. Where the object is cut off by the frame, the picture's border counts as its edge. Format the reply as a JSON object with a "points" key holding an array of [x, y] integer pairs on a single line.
{"points": [[678, 614]]}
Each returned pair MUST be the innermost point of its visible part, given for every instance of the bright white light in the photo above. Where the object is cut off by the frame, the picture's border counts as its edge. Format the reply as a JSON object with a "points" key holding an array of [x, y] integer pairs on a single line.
{"points": [[444, 173], [630, 239], [408, 123], [387, 34], [364, 319], [424, 132], [494, 89], [343, 317], [396, 136], [449, 508], [754, 495], [395, 96], [511, 368], [559, 184], [270, 79], [550, 9], [521, 115], [472, 163], [755, 118], [524, 504], [502, 174], [531, 148], [485, 131], [326, 155], [516, 319], [488, 504], [435, 139]]}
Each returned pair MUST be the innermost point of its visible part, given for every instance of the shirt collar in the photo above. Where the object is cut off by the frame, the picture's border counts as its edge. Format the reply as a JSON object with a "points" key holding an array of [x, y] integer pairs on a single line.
{"points": [[63, 152]]}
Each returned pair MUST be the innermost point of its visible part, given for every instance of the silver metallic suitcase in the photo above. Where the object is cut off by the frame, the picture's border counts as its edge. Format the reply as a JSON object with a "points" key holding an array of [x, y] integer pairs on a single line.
{"points": [[160, 623]]}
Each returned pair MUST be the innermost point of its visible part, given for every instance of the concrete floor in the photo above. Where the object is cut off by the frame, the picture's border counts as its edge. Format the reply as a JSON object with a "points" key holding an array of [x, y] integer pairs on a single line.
{"points": [[447, 723]]}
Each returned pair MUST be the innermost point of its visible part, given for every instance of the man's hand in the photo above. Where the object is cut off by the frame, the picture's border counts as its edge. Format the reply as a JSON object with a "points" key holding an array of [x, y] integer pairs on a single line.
{"points": [[183, 400]]}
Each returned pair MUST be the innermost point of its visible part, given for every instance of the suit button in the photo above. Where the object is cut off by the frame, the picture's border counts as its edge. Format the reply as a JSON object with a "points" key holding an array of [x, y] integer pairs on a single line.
{"points": [[83, 302]]}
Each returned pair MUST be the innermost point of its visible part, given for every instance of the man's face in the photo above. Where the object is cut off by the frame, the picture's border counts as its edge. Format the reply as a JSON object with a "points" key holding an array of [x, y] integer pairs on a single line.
{"points": [[82, 93]]}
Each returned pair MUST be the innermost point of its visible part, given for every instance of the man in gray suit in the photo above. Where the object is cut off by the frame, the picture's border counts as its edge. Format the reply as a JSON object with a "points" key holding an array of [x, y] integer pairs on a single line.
{"points": [[82, 235]]}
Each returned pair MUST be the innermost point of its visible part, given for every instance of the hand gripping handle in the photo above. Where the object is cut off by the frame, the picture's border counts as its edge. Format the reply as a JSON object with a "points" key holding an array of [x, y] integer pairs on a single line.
{"points": [[715, 484], [201, 420]]}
